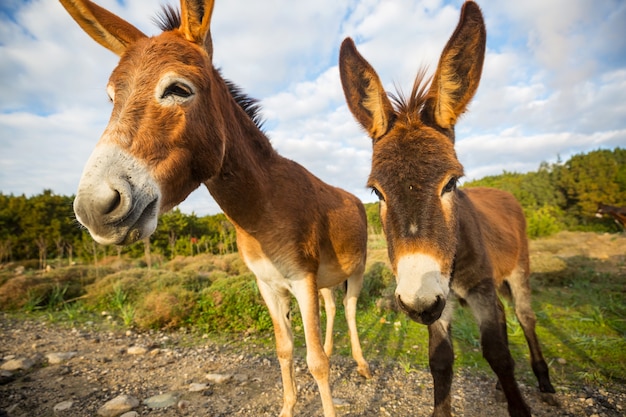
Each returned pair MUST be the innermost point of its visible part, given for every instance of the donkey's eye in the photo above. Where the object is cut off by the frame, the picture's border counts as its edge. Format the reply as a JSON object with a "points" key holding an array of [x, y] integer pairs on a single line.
{"points": [[450, 186], [177, 89], [378, 194]]}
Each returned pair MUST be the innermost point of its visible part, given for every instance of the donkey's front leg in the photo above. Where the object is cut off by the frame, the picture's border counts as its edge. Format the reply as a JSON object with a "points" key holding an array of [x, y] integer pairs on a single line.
{"points": [[441, 358], [489, 313], [278, 304], [305, 291]]}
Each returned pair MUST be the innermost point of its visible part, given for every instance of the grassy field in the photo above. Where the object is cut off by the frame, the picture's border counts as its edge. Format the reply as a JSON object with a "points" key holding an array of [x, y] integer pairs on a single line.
{"points": [[579, 296]]}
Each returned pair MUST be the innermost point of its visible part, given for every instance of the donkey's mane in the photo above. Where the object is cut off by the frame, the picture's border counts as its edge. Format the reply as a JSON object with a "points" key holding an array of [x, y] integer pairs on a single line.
{"points": [[169, 19], [419, 94]]}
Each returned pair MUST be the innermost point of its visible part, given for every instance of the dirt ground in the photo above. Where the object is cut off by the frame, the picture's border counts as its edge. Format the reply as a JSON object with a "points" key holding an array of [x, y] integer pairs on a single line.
{"points": [[105, 365]]}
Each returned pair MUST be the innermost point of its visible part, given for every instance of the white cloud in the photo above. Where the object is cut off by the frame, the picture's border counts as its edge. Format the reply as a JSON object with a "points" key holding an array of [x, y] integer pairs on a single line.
{"points": [[553, 82]]}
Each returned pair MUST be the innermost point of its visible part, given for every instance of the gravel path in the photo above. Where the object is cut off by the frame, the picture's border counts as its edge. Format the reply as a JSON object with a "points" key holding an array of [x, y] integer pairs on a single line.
{"points": [[200, 377]]}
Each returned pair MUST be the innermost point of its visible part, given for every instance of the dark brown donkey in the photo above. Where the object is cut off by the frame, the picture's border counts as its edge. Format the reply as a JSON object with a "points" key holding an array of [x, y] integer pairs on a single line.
{"points": [[441, 240], [177, 124], [617, 213]]}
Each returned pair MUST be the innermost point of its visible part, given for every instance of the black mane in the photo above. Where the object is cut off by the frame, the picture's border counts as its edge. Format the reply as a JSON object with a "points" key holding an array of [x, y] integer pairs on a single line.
{"points": [[250, 105], [169, 19]]}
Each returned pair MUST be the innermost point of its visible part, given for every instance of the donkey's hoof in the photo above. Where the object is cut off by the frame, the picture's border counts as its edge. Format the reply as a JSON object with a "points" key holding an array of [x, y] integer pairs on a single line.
{"points": [[550, 399], [364, 371]]}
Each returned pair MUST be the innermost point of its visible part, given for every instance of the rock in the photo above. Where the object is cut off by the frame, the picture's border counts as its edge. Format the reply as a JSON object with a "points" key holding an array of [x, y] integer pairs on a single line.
{"points": [[6, 377], [197, 387], [63, 406], [161, 401], [137, 350], [130, 414], [219, 378], [59, 357], [118, 405], [17, 364], [183, 405], [339, 403]]}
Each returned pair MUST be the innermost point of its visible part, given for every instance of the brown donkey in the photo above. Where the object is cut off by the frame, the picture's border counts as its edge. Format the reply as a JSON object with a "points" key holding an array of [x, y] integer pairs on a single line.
{"points": [[176, 124], [441, 240]]}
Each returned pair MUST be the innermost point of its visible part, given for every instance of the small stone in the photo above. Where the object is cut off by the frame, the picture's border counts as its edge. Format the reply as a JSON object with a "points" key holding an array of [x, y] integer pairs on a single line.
{"points": [[183, 405], [6, 377], [137, 350], [339, 403], [130, 414], [63, 406], [17, 364], [118, 405], [161, 401], [219, 378], [197, 387], [59, 357], [561, 361]]}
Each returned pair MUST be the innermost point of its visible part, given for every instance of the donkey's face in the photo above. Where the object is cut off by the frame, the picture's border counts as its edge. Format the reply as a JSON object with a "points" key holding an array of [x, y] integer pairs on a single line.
{"points": [[414, 174], [163, 117], [414, 165]]}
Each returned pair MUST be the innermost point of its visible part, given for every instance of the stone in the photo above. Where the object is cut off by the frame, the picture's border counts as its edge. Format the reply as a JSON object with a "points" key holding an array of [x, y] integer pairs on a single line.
{"points": [[59, 357], [197, 387], [137, 350], [63, 406], [17, 364], [161, 401], [130, 414], [219, 378], [118, 405]]}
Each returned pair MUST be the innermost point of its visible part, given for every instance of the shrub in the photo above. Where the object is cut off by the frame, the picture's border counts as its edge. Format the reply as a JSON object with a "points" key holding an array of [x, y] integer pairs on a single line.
{"points": [[164, 308], [376, 280], [232, 304], [544, 221]]}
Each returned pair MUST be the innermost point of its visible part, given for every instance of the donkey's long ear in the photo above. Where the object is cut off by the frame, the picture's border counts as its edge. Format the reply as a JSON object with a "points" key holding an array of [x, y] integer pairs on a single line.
{"points": [[459, 69], [196, 22], [366, 97], [104, 27]]}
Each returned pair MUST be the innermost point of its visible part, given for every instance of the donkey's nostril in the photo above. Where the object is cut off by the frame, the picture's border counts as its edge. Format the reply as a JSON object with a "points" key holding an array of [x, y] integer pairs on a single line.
{"points": [[113, 203]]}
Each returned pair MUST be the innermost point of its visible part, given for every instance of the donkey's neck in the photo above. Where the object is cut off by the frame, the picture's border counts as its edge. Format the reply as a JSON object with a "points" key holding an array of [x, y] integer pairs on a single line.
{"points": [[241, 187]]}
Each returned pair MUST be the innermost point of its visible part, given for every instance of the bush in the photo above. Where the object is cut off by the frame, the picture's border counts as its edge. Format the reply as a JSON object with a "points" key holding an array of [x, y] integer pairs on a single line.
{"points": [[376, 280], [232, 304], [544, 221], [164, 308]]}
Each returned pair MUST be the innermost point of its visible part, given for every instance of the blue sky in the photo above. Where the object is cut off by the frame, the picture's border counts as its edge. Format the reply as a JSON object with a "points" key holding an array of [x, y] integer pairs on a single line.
{"points": [[554, 82]]}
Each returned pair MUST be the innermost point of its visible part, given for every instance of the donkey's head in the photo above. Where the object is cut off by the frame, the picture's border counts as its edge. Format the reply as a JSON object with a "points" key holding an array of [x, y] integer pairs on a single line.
{"points": [[165, 113], [414, 166]]}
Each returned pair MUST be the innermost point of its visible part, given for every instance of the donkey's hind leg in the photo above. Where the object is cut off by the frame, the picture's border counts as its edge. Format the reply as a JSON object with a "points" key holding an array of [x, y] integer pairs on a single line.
{"points": [[328, 296], [519, 284], [353, 288]]}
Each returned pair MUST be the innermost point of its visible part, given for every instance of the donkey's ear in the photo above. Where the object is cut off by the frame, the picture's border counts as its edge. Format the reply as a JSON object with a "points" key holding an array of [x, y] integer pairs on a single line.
{"points": [[365, 95], [104, 27], [459, 69], [196, 22]]}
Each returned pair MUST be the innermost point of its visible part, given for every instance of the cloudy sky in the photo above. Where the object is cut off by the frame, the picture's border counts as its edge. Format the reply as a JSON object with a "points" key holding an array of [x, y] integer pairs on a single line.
{"points": [[554, 82]]}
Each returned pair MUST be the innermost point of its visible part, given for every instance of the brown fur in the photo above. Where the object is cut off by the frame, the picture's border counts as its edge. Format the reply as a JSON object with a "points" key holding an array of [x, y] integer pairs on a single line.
{"points": [[295, 232], [477, 237], [617, 213]]}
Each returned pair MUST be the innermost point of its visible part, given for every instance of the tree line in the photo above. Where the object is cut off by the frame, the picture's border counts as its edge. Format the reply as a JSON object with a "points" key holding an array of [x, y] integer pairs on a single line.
{"points": [[44, 228], [565, 195], [559, 196]]}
